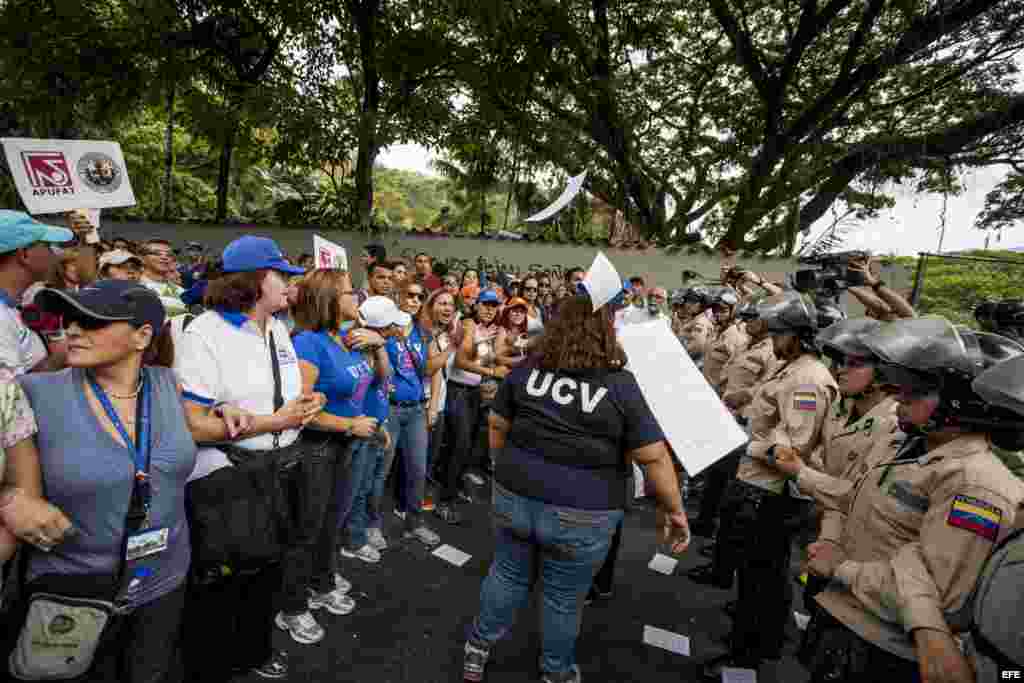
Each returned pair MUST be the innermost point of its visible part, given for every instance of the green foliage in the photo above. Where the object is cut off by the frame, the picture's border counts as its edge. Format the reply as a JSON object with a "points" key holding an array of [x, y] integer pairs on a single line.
{"points": [[952, 288]]}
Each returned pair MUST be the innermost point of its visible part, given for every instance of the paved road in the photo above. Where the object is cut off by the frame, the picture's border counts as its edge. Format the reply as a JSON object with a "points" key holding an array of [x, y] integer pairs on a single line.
{"points": [[413, 609]]}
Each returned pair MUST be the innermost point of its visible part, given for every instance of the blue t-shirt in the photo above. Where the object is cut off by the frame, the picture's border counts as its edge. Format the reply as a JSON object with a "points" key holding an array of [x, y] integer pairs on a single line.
{"points": [[345, 376], [407, 355], [570, 433]]}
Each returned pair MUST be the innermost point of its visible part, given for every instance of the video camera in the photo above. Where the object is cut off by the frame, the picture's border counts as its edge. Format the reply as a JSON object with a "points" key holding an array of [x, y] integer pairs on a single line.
{"points": [[832, 273]]}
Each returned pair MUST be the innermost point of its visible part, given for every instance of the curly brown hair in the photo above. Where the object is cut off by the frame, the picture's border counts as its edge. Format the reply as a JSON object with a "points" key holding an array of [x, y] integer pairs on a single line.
{"points": [[580, 338]]}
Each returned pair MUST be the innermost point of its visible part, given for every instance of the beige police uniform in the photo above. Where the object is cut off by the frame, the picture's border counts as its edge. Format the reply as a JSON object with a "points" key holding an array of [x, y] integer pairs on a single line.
{"points": [[917, 533], [788, 410], [730, 343], [848, 450], [742, 376], [698, 334]]}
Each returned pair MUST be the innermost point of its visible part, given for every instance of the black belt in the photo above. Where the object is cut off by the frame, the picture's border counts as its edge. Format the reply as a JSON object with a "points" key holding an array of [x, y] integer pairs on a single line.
{"points": [[407, 404]]}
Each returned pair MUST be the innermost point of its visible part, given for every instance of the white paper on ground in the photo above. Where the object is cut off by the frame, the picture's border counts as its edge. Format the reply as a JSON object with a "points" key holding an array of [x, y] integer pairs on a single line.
{"points": [[602, 281], [55, 176], [570, 191], [738, 675], [453, 555], [328, 254], [696, 423], [667, 640], [663, 564], [801, 620]]}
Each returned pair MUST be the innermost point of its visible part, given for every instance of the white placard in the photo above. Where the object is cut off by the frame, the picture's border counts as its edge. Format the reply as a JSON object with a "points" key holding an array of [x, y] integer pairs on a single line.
{"points": [[453, 555], [602, 281], [570, 191], [801, 620], [327, 254], [663, 564], [667, 640], [696, 423], [738, 675], [55, 176]]}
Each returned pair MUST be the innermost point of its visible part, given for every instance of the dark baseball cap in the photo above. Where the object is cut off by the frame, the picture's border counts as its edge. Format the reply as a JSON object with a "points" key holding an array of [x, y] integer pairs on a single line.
{"points": [[107, 300]]}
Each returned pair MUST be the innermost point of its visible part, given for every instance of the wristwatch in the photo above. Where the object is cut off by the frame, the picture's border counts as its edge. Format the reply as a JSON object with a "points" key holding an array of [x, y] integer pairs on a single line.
{"points": [[770, 454]]}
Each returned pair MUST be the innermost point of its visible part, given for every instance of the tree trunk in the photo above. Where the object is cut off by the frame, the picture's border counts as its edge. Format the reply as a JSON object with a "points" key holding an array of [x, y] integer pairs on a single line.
{"points": [[364, 19], [224, 175], [165, 204]]}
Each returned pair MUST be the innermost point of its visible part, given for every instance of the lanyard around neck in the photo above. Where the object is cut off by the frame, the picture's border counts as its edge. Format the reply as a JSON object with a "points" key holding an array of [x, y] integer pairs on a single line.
{"points": [[140, 448]]}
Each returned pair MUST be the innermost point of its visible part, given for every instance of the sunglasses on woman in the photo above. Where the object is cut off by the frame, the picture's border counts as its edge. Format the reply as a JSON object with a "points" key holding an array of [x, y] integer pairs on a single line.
{"points": [[416, 295], [85, 323]]}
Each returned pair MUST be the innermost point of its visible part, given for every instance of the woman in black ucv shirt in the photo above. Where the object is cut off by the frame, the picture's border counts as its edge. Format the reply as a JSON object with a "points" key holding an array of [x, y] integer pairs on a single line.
{"points": [[565, 427]]}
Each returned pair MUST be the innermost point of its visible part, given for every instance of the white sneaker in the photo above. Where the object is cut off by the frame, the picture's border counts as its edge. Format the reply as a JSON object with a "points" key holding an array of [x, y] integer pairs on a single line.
{"points": [[303, 628], [367, 554], [342, 584], [334, 602], [376, 539]]}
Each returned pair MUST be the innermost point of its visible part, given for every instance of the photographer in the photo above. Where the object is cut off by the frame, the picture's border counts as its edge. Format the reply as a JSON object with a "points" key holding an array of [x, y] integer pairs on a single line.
{"points": [[748, 283], [880, 302]]}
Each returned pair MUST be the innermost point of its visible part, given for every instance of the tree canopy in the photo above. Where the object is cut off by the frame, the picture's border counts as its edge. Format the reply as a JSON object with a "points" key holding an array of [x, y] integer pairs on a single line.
{"points": [[746, 121]]}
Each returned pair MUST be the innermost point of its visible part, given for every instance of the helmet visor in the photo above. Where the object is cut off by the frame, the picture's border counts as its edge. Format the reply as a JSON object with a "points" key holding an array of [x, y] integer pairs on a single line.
{"points": [[1003, 385]]}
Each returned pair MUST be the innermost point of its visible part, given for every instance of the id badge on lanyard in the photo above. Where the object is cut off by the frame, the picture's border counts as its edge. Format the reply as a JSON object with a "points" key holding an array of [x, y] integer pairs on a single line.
{"points": [[143, 540]]}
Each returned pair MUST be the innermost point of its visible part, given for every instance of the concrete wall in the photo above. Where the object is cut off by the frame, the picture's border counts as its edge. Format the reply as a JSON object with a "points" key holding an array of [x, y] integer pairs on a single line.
{"points": [[655, 265]]}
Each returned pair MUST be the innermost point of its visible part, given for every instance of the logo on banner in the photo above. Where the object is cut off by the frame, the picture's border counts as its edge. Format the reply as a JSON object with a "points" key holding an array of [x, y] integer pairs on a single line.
{"points": [[99, 172], [48, 173]]}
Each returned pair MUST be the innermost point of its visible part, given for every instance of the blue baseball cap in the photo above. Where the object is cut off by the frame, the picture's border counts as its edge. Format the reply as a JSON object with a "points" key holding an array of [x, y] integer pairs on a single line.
{"points": [[250, 253], [488, 296], [18, 230], [107, 301]]}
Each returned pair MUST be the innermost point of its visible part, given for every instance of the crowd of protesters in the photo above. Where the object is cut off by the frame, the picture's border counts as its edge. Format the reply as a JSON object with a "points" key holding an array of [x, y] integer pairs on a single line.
{"points": [[194, 445]]}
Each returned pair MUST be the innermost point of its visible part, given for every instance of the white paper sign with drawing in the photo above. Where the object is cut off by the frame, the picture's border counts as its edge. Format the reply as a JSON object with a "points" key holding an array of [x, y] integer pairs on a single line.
{"points": [[55, 176], [328, 254]]}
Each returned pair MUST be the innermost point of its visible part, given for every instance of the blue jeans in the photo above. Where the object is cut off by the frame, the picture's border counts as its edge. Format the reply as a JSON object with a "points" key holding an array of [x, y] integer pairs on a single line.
{"points": [[366, 458], [563, 547], [408, 430]]}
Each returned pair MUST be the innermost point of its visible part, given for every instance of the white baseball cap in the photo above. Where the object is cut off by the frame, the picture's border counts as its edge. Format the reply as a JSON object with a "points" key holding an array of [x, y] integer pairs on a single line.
{"points": [[379, 312], [118, 257]]}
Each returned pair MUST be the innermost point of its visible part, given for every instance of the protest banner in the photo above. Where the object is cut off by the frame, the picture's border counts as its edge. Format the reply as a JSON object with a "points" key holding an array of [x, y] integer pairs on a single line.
{"points": [[55, 176], [696, 423], [328, 254], [571, 190]]}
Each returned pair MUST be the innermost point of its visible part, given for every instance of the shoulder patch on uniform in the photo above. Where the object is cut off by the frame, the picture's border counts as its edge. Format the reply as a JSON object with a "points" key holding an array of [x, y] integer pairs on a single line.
{"points": [[975, 515], [904, 493], [805, 398]]}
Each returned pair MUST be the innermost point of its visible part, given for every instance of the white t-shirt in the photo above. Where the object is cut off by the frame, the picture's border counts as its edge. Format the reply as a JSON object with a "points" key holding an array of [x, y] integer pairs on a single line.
{"points": [[21, 349], [223, 358]]}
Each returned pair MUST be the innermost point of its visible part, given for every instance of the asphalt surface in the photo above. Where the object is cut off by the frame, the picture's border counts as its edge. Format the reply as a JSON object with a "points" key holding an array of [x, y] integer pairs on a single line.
{"points": [[413, 609]]}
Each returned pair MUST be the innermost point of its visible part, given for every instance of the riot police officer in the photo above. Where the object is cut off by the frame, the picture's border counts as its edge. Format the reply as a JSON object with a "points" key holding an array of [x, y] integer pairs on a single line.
{"points": [[919, 524], [732, 337], [760, 513], [699, 332], [740, 378]]}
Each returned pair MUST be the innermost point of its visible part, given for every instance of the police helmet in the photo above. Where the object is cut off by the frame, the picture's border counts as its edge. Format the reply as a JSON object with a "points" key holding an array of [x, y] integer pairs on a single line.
{"points": [[1003, 385], [829, 314], [747, 311], [677, 297], [724, 296], [788, 313], [984, 313], [930, 355], [846, 337], [697, 295]]}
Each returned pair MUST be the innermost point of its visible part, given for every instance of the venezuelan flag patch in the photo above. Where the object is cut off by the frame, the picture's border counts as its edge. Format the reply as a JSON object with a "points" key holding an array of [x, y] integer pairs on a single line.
{"points": [[805, 400], [977, 516]]}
